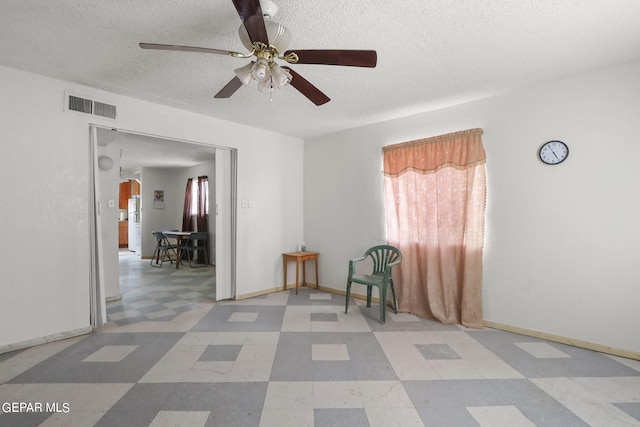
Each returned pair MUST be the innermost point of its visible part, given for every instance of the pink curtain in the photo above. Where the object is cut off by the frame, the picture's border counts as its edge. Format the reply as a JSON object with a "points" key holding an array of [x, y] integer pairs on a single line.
{"points": [[435, 191]]}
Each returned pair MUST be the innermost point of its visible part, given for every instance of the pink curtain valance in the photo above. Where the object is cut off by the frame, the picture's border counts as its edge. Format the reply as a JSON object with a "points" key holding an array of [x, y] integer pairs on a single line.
{"points": [[459, 150]]}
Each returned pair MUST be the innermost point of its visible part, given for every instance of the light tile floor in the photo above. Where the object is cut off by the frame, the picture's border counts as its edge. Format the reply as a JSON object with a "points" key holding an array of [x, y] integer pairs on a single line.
{"points": [[171, 356]]}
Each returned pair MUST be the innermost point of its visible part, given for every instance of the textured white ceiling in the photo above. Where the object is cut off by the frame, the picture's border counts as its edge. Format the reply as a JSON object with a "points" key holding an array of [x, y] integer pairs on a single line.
{"points": [[431, 53], [139, 151]]}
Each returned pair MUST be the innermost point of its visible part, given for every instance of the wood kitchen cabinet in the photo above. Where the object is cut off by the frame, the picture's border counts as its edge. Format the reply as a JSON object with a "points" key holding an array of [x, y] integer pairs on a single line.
{"points": [[125, 195], [123, 234], [128, 189]]}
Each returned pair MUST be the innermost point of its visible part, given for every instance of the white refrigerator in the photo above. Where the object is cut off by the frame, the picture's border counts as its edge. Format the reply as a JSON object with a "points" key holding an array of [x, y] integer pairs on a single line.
{"points": [[134, 224]]}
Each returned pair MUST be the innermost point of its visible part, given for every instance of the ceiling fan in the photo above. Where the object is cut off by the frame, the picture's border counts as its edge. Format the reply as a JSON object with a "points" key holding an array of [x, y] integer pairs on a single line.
{"points": [[267, 41]]}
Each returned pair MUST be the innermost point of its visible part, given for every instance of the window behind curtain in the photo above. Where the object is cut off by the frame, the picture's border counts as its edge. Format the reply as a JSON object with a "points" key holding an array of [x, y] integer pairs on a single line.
{"points": [[435, 192], [194, 197]]}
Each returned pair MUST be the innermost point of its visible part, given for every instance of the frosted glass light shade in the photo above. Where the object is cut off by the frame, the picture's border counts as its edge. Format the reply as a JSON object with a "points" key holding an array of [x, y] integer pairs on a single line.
{"points": [[105, 163], [244, 73], [279, 76], [260, 70]]}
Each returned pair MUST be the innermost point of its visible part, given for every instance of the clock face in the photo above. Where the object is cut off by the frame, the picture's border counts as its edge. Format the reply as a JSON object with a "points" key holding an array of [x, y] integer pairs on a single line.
{"points": [[553, 152]]}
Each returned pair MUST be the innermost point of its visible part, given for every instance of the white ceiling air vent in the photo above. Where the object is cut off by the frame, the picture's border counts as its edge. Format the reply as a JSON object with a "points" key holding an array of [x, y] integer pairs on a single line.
{"points": [[88, 106]]}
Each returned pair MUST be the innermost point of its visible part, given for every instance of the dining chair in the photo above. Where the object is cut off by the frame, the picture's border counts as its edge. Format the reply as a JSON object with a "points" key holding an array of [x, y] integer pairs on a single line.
{"points": [[384, 258], [163, 250], [195, 245]]}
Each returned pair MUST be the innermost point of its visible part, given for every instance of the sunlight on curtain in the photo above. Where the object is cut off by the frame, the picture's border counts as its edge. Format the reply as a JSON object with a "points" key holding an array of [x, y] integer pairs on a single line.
{"points": [[202, 202], [435, 194]]}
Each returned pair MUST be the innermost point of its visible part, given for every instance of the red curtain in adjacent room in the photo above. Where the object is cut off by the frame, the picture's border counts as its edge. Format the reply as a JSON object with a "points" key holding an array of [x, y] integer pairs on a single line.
{"points": [[187, 223], [201, 216], [435, 194], [203, 192]]}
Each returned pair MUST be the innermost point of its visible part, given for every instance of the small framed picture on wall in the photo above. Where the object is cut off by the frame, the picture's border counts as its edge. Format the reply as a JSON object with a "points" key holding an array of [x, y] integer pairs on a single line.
{"points": [[158, 199]]}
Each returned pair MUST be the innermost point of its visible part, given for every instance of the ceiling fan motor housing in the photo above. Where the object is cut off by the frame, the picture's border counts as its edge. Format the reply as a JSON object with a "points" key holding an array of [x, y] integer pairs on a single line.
{"points": [[269, 8], [279, 36]]}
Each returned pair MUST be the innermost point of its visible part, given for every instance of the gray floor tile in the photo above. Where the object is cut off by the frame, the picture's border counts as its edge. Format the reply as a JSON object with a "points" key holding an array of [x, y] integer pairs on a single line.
{"points": [[131, 320], [139, 417], [478, 393], [292, 361], [550, 413], [446, 416], [352, 417], [227, 353], [631, 408], [239, 343], [269, 319], [23, 419], [437, 351], [431, 394], [67, 366], [115, 309], [582, 363], [151, 308], [217, 397], [324, 317]]}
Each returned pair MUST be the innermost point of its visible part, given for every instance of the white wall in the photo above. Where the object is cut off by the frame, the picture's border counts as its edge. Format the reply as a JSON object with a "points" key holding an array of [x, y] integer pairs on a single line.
{"points": [[173, 182], [109, 182], [170, 218], [46, 266], [562, 253]]}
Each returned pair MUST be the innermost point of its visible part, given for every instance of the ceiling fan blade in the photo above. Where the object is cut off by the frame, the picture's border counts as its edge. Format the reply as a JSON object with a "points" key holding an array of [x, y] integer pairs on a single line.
{"points": [[187, 49], [350, 58], [307, 89], [251, 16], [229, 89]]}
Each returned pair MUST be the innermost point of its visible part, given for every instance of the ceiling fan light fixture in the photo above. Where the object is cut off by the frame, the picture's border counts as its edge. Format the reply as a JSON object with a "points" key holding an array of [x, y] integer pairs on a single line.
{"points": [[260, 70], [268, 41], [244, 73], [279, 76], [278, 79]]}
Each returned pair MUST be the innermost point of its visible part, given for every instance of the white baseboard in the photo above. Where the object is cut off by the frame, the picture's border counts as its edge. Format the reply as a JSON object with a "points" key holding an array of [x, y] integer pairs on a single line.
{"points": [[43, 340], [564, 340], [113, 298]]}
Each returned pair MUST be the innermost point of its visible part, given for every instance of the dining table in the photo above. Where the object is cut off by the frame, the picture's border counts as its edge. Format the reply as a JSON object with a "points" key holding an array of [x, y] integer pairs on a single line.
{"points": [[179, 236]]}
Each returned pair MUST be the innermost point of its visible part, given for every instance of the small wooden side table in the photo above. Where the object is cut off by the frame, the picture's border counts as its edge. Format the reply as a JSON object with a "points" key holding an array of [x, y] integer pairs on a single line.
{"points": [[299, 258]]}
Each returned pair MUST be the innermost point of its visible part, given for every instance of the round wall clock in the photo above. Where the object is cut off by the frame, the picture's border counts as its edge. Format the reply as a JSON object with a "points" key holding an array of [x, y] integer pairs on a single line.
{"points": [[553, 152]]}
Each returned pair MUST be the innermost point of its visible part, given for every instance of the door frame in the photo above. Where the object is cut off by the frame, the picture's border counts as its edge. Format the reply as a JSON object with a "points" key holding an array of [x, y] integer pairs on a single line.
{"points": [[225, 271]]}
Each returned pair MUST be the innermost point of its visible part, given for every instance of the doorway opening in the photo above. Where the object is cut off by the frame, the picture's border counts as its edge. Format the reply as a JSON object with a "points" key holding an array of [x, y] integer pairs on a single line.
{"points": [[158, 164]]}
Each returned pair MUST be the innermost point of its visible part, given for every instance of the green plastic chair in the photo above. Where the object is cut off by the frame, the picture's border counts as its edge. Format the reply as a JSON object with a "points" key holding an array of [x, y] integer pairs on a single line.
{"points": [[384, 257]]}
